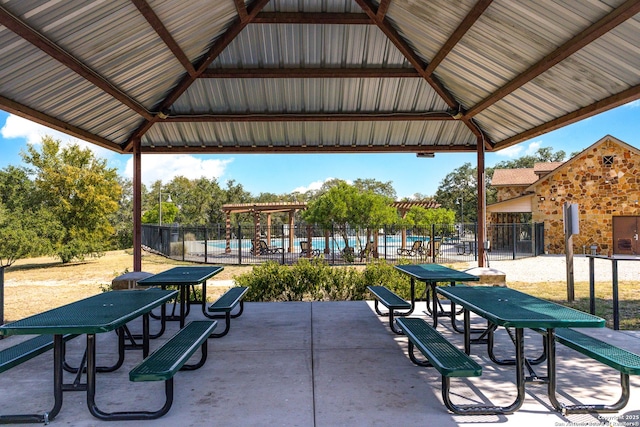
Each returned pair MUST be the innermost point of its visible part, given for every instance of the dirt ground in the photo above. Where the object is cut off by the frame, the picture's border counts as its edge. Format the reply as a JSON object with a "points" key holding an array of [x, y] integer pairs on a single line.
{"points": [[38, 284]]}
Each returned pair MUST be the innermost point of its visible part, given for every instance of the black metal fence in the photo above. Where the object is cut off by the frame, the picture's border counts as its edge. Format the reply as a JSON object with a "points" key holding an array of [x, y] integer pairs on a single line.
{"points": [[244, 244]]}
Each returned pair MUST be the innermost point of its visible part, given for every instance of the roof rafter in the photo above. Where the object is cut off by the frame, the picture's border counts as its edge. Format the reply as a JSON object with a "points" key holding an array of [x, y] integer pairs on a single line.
{"points": [[613, 101], [155, 22], [309, 117], [217, 47], [420, 66], [466, 24], [288, 73], [242, 10], [65, 58], [619, 15], [312, 18], [180, 148], [54, 123]]}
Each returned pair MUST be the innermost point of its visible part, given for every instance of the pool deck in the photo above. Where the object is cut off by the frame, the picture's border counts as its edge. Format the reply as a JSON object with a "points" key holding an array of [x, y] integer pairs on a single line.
{"points": [[321, 364]]}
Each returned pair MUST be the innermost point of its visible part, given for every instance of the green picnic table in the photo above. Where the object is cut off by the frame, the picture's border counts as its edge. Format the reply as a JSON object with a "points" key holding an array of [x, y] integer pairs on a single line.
{"points": [[509, 308], [431, 275], [100, 313], [184, 277]]}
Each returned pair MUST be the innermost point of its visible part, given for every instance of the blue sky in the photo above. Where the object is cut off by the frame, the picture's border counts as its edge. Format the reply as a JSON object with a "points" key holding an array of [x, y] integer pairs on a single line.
{"points": [[284, 173]]}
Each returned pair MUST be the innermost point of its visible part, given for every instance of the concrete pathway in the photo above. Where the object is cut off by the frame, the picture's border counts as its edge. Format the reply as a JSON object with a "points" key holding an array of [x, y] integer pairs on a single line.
{"points": [[323, 364]]}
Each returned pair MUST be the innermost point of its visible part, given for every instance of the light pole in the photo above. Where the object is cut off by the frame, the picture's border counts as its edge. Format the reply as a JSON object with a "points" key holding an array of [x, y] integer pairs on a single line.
{"points": [[160, 206]]}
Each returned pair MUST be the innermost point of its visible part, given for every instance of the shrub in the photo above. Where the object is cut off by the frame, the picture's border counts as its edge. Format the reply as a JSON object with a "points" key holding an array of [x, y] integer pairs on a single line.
{"points": [[315, 280]]}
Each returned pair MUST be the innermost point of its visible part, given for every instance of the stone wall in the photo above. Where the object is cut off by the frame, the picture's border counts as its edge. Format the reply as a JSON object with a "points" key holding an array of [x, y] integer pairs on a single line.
{"points": [[506, 193], [601, 190]]}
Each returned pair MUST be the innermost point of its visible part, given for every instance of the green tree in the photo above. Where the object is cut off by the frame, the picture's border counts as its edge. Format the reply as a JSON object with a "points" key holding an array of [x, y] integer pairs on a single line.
{"points": [[343, 205], [420, 217], [80, 191], [544, 154], [458, 192]]}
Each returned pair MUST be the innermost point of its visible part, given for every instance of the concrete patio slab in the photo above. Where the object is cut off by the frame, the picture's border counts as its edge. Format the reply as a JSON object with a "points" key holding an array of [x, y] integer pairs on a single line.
{"points": [[323, 364]]}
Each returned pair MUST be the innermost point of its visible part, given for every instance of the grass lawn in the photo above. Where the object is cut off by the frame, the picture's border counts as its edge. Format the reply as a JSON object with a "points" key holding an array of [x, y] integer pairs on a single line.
{"points": [[38, 284]]}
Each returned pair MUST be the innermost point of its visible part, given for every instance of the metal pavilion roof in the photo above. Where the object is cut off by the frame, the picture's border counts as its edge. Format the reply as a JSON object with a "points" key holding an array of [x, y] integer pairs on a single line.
{"points": [[221, 76]]}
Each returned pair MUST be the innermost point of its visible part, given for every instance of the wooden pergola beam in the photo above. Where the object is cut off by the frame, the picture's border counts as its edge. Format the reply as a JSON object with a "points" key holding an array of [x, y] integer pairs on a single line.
{"points": [[619, 15]]}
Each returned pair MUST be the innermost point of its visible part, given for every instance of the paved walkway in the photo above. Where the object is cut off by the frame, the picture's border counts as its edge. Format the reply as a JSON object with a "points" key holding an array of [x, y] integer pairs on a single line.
{"points": [[324, 364]]}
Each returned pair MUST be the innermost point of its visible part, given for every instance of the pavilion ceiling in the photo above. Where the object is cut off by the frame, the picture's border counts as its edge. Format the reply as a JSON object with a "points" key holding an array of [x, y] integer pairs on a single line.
{"points": [[326, 76]]}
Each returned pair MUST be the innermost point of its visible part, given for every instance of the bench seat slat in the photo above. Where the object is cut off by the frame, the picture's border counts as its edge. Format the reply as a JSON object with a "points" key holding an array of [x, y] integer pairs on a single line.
{"points": [[25, 350], [612, 356], [165, 361], [444, 356], [230, 299], [388, 298]]}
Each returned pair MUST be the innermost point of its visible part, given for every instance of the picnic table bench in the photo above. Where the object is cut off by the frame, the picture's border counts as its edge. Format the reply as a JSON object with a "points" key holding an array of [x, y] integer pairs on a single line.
{"points": [[390, 300], [15, 355], [626, 362], [444, 357], [226, 303], [162, 365]]}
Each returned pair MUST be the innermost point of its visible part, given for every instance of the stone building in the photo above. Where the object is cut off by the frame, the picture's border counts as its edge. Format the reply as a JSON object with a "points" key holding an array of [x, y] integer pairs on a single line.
{"points": [[603, 180]]}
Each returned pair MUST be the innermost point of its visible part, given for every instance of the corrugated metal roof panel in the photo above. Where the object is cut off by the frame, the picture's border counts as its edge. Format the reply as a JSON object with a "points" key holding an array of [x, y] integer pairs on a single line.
{"points": [[308, 95], [311, 134]]}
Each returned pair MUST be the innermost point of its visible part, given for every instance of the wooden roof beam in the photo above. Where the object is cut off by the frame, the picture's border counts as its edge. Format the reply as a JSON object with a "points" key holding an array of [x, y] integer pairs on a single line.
{"points": [[309, 117], [619, 15], [179, 148], [456, 36], [54, 123], [419, 65], [320, 18], [289, 73], [617, 100], [65, 58], [155, 22], [214, 51]]}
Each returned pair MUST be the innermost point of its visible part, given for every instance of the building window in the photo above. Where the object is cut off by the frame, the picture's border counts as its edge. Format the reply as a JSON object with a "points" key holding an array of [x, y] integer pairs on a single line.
{"points": [[607, 160]]}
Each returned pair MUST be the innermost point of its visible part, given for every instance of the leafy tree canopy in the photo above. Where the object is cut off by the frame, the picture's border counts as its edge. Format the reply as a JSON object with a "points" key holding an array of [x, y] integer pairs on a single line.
{"points": [[79, 191], [544, 154]]}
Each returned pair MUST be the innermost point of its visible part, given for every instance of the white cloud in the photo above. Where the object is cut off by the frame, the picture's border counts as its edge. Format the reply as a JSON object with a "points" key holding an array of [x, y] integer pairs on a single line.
{"points": [[316, 185], [518, 150], [18, 128], [633, 104], [165, 167]]}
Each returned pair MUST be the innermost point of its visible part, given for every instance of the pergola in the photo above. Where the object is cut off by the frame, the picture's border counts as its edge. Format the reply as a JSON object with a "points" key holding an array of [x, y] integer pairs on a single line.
{"points": [[326, 76], [256, 209]]}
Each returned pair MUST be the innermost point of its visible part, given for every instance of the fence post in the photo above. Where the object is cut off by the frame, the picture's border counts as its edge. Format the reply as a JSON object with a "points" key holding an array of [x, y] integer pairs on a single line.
{"points": [[475, 239], [333, 245], [282, 240], [432, 241], [184, 247], [206, 244], [384, 236], [515, 242], [239, 244]]}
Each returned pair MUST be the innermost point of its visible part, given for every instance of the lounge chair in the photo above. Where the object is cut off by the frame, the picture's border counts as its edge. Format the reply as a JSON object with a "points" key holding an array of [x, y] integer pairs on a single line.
{"points": [[304, 249], [436, 247], [264, 249], [416, 249]]}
